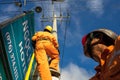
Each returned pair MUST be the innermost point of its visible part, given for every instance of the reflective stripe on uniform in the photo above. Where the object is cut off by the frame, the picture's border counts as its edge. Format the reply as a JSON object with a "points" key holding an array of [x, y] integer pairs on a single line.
{"points": [[42, 39]]}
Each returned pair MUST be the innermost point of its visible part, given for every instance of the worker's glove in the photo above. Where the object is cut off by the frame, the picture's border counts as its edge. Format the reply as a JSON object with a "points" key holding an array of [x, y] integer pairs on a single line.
{"points": [[33, 44]]}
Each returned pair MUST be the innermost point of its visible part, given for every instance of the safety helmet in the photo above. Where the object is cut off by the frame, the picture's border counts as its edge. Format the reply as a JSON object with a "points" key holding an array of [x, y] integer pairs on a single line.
{"points": [[49, 28], [108, 37]]}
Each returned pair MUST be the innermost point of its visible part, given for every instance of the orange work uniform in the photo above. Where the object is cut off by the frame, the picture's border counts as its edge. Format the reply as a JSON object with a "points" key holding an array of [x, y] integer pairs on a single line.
{"points": [[46, 44], [109, 68]]}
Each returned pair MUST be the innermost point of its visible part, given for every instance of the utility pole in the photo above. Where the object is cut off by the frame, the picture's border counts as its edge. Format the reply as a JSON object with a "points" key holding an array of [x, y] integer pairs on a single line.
{"points": [[55, 34], [55, 26]]}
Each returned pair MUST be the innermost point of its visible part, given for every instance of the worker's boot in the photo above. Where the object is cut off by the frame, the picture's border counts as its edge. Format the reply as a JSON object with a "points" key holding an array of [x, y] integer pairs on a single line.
{"points": [[54, 72]]}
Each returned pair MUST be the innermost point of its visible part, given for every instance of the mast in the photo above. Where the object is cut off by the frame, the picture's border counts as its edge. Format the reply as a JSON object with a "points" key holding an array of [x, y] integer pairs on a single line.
{"points": [[55, 34], [55, 26]]}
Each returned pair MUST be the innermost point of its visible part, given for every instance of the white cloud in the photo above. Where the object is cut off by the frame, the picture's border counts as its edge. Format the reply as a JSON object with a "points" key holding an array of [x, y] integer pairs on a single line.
{"points": [[74, 36], [96, 6], [73, 72]]}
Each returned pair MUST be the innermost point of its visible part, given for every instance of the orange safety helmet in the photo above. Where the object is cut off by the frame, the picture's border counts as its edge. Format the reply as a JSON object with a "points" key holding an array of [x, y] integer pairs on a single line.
{"points": [[49, 28], [108, 37]]}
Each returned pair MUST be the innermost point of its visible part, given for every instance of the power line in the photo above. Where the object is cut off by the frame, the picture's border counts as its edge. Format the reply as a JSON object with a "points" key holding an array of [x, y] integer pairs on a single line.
{"points": [[64, 42], [28, 1]]}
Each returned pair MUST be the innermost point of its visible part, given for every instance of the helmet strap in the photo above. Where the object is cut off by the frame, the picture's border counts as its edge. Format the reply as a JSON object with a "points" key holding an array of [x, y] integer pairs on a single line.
{"points": [[89, 48]]}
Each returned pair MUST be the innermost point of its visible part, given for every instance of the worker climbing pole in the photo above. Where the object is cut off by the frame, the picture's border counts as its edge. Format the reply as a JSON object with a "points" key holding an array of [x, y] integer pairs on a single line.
{"points": [[45, 44]]}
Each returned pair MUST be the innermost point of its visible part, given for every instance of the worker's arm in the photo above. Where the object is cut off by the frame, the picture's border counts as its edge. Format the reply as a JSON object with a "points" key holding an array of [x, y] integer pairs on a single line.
{"points": [[34, 40], [34, 37], [55, 42]]}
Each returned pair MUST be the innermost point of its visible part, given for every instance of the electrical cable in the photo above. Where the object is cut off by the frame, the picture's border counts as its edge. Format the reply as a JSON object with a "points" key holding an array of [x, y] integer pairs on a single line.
{"points": [[29, 1], [64, 44]]}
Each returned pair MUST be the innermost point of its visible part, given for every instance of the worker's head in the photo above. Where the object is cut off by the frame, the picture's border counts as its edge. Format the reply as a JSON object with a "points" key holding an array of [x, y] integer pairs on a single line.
{"points": [[96, 41], [48, 29]]}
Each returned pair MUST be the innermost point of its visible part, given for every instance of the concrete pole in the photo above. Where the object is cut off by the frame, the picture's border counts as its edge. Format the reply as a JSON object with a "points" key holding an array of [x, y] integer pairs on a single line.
{"points": [[24, 2], [55, 26], [55, 34]]}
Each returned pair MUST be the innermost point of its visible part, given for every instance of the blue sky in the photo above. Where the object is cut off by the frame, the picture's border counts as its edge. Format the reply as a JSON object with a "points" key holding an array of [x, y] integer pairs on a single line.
{"points": [[85, 16]]}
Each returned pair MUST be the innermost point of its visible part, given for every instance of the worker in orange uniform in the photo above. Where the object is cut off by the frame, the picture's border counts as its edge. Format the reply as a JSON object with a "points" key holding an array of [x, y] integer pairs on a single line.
{"points": [[46, 45], [103, 46]]}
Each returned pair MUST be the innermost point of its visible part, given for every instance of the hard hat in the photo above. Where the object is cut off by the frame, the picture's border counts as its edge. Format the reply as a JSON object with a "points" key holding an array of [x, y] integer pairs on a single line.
{"points": [[49, 28], [110, 34], [108, 37]]}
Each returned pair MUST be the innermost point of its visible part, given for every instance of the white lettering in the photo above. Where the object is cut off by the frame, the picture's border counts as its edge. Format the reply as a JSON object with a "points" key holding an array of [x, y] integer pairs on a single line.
{"points": [[12, 57], [22, 57], [26, 37], [9, 42], [14, 67]]}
